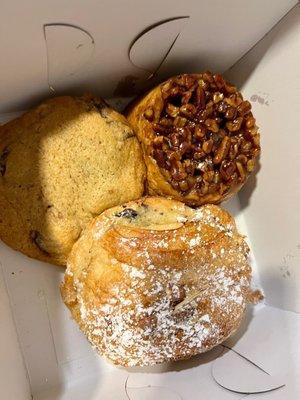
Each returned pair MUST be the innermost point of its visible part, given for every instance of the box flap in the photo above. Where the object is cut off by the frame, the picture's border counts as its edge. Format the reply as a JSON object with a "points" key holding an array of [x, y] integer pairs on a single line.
{"points": [[114, 25], [269, 76], [14, 382], [152, 392], [269, 339], [188, 379], [219, 34], [238, 374], [69, 51], [151, 47]]}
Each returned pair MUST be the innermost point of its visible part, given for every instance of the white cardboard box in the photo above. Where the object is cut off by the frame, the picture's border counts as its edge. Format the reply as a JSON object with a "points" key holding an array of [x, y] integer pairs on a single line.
{"points": [[113, 48]]}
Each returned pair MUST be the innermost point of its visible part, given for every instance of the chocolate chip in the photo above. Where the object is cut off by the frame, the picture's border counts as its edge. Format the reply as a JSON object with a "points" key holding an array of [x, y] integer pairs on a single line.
{"points": [[37, 239], [2, 169], [127, 213], [3, 159], [128, 135], [101, 107]]}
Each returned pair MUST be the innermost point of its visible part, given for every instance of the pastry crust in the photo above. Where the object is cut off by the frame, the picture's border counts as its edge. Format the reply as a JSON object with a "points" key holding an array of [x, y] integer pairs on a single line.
{"points": [[154, 281], [61, 164], [175, 138]]}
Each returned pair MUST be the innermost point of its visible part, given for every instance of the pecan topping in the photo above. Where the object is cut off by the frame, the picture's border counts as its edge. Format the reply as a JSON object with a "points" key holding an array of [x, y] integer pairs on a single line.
{"points": [[206, 139], [149, 114]]}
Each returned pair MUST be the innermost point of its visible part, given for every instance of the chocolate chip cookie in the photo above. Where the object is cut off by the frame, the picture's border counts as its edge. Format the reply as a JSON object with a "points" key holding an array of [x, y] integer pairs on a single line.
{"points": [[61, 164]]}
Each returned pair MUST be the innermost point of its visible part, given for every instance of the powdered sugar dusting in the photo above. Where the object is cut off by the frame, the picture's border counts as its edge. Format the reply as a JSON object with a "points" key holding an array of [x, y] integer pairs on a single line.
{"points": [[154, 314], [131, 330]]}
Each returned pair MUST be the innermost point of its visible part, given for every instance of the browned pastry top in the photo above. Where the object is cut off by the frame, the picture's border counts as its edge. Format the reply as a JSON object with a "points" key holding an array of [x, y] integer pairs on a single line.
{"points": [[199, 137], [155, 280]]}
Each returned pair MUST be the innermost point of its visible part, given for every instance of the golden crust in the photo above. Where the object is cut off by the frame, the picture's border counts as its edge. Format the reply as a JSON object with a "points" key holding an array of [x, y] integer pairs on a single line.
{"points": [[157, 183], [155, 280], [62, 163]]}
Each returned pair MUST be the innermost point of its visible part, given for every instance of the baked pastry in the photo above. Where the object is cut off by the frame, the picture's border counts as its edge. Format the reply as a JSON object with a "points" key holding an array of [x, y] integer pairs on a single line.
{"points": [[61, 164], [154, 280], [199, 138]]}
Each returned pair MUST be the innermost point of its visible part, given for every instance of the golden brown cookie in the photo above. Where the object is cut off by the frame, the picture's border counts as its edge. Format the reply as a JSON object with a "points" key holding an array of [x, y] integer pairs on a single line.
{"points": [[155, 280], [199, 138], [61, 164]]}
